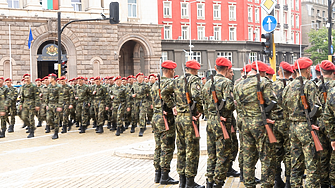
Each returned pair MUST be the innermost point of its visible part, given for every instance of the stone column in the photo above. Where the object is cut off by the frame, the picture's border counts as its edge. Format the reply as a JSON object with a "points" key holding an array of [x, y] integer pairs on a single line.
{"points": [[65, 5], [33, 5], [211, 57], [3, 4], [289, 57], [94, 6], [180, 60]]}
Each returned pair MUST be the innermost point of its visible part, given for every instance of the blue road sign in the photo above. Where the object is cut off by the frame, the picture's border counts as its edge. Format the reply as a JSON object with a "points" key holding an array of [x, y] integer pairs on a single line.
{"points": [[269, 23]]}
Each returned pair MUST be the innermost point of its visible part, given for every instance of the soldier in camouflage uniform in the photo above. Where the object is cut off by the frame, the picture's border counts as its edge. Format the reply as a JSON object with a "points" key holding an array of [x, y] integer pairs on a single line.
{"points": [[187, 142], [150, 113], [43, 111], [141, 93], [38, 83], [29, 104], [67, 98], [281, 127], [91, 85], [110, 89], [120, 99], [82, 96], [12, 97], [73, 110], [164, 139], [302, 145], [128, 115], [218, 148], [5, 102], [255, 140], [100, 97]]}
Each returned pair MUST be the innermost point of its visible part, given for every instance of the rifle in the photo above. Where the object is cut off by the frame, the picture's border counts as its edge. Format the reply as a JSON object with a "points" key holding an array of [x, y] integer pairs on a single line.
{"points": [[317, 143], [261, 101], [323, 86], [216, 101], [191, 106], [162, 103], [284, 79]]}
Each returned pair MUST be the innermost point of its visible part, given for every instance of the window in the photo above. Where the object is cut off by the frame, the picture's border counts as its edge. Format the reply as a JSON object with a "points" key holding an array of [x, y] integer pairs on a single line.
{"points": [[312, 12], [76, 5], [252, 57], [232, 33], [256, 1], [250, 34], [167, 32], [292, 4], [297, 38], [312, 25], [217, 12], [201, 74], [132, 9], [256, 34], [297, 21], [292, 37], [323, 14], [164, 56], [257, 15], [201, 10], [232, 13], [285, 36], [194, 55], [167, 9], [292, 21], [228, 55], [217, 33], [184, 32], [184, 10], [13, 3], [318, 13], [201, 33], [296, 4], [250, 14]]}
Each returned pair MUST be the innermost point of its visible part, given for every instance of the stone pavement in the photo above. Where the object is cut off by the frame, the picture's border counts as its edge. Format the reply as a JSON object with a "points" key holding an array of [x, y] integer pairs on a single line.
{"points": [[86, 160]]}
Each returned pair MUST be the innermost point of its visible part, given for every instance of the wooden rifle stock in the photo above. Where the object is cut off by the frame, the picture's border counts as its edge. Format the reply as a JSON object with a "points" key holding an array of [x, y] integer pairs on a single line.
{"points": [[317, 142], [325, 96], [260, 97], [166, 123], [162, 104], [232, 129], [196, 131], [223, 127], [304, 101], [272, 137]]}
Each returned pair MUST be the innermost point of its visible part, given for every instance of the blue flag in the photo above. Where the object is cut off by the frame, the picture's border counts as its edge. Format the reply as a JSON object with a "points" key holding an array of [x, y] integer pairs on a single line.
{"points": [[31, 38]]}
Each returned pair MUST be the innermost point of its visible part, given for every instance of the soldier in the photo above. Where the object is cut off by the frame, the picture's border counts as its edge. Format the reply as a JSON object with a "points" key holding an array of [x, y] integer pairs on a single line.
{"points": [[164, 138], [100, 97], [317, 71], [152, 80], [110, 88], [146, 79], [218, 148], [12, 97], [73, 118], [92, 113], [30, 102], [255, 140], [38, 82], [141, 93], [130, 103], [67, 98], [5, 102], [270, 72], [302, 146], [203, 80], [281, 127], [187, 143], [120, 99], [82, 96], [43, 111]]}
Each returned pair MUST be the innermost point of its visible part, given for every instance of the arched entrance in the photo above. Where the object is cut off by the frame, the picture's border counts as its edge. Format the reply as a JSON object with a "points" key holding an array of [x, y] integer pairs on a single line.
{"points": [[47, 58], [131, 59]]}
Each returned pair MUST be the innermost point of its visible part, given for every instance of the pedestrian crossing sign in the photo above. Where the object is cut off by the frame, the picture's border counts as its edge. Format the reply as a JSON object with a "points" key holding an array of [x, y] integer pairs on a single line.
{"points": [[268, 5]]}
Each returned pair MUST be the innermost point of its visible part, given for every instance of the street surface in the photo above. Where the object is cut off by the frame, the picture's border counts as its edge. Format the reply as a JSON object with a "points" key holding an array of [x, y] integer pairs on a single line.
{"points": [[87, 160]]}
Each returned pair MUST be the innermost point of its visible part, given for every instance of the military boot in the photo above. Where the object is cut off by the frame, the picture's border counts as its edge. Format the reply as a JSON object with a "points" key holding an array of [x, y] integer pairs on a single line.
{"points": [[232, 172], [60, 124], [82, 129], [182, 181], [122, 129], [157, 176], [39, 124], [278, 181], [55, 136], [31, 134], [69, 126], [94, 124], [132, 130], [28, 130], [100, 129], [64, 129], [118, 131], [88, 123], [191, 184], [126, 125], [11, 128], [114, 126], [24, 125], [209, 184], [166, 179], [241, 175], [109, 125], [324, 186], [140, 134], [47, 129], [288, 183], [219, 185], [2, 133], [77, 124]]}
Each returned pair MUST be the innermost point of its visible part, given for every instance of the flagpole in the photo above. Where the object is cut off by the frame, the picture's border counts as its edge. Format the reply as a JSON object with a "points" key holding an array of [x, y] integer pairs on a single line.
{"points": [[10, 55], [31, 67]]}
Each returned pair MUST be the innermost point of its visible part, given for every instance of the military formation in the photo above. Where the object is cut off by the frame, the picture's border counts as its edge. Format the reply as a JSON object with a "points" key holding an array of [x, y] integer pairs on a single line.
{"points": [[290, 120]]}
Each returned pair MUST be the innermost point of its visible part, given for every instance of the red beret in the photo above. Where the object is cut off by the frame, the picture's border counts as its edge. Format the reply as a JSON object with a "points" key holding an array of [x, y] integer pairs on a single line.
{"points": [[106, 78], [139, 74], [111, 77], [124, 78], [52, 74], [92, 78], [262, 67], [57, 79], [270, 71], [221, 61], [86, 78], [176, 76], [37, 79], [22, 79], [168, 64], [97, 78], [116, 78], [327, 65], [304, 63], [317, 67], [145, 77], [45, 77], [286, 66], [26, 75], [62, 78], [247, 68], [8, 79], [130, 76], [80, 78], [152, 75], [1, 78], [193, 64], [203, 78]]}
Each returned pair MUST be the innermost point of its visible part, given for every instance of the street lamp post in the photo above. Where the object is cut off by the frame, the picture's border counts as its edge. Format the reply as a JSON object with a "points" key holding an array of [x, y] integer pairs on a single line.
{"points": [[301, 34]]}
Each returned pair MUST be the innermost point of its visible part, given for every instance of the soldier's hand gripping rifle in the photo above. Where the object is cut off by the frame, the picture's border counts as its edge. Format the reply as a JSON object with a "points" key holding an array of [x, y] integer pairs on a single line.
{"points": [[191, 106], [261, 101], [218, 109], [317, 143], [162, 103]]}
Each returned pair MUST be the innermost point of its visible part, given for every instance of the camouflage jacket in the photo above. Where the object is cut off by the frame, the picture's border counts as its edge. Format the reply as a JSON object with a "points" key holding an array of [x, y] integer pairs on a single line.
{"points": [[83, 93], [5, 100], [53, 96], [156, 101], [12, 96], [101, 94], [67, 94], [329, 83], [291, 102], [43, 89], [329, 114], [121, 95], [176, 90], [142, 91], [224, 90], [30, 95], [278, 87], [246, 96]]}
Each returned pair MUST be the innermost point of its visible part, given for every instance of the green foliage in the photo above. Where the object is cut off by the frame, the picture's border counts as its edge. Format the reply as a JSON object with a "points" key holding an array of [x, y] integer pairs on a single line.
{"points": [[319, 44]]}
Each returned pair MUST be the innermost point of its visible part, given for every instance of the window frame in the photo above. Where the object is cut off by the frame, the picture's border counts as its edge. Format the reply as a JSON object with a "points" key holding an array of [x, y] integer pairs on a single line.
{"points": [[202, 10], [257, 16], [130, 13], [233, 35], [218, 12], [226, 54], [186, 9], [169, 15], [232, 13], [250, 34], [195, 55], [250, 13], [203, 32], [187, 32], [169, 32], [15, 4], [219, 33]]}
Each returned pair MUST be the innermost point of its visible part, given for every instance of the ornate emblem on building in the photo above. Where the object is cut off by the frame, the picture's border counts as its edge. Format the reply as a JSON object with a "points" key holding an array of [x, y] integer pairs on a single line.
{"points": [[52, 50]]}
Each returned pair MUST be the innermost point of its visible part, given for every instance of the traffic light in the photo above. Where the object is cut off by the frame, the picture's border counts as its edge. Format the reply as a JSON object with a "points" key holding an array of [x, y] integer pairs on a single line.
{"points": [[267, 44], [114, 13], [63, 68]]}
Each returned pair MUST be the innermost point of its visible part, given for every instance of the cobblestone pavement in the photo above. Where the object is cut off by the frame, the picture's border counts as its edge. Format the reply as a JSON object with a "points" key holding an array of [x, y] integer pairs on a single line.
{"points": [[86, 160]]}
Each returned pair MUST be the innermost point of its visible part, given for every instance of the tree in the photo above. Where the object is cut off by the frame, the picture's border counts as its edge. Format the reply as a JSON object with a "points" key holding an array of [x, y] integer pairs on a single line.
{"points": [[319, 44]]}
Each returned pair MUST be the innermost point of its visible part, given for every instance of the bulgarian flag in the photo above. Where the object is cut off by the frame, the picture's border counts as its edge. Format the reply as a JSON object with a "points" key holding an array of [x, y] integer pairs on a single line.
{"points": [[50, 4]]}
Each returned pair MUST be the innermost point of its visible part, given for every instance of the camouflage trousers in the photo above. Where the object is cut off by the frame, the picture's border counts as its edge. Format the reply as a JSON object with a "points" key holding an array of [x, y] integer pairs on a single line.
{"points": [[325, 156], [118, 113], [188, 149], [282, 132], [12, 111], [303, 152], [53, 116], [135, 112], [109, 114], [218, 149], [99, 112], [239, 123], [3, 121], [65, 114], [127, 116], [164, 141], [82, 113], [27, 114], [42, 113], [73, 112], [92, 112], [256, 145], [234, 142], [150, 112], [143, 113], [332, 168]]}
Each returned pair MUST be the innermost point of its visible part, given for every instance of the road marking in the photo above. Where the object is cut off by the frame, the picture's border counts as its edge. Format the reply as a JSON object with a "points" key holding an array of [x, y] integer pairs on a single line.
{"points": [[30, 150]]}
